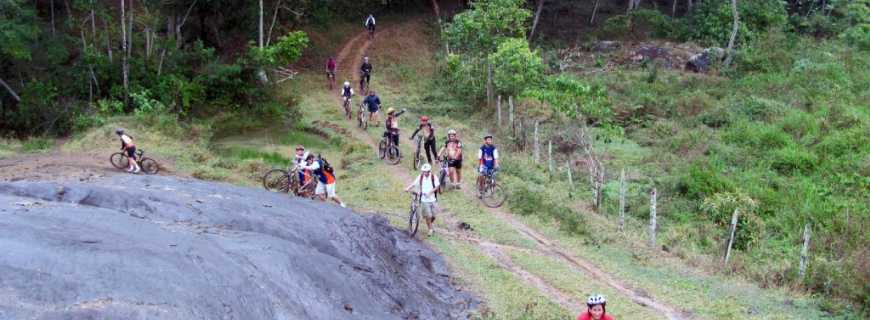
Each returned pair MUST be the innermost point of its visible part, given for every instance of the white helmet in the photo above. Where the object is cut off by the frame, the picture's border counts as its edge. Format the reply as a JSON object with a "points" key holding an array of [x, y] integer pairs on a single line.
{"points": [[347, 83], [426, 167], [596, 299]]}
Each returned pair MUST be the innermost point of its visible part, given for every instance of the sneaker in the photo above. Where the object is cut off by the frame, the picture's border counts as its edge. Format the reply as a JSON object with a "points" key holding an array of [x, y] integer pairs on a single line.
{"points": [[137, 170], [343, 205], [431, 231]]}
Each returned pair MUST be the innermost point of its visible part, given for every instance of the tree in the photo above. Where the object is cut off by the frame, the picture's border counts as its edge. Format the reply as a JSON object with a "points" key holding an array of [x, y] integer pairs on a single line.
{"points": [[19, 31], [734, 28], [516, 66]]}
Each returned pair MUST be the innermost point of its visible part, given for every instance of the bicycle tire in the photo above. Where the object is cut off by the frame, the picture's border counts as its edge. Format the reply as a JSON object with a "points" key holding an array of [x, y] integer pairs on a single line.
{"points": [[413, 219], [382, 149], [149, 166], [277, 180], [393, 156], [442, 180], [118, 160], [494, 197]]}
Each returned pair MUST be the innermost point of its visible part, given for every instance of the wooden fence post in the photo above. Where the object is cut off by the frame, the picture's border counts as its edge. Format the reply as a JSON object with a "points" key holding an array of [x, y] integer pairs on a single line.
{"points": [[537, 147], [570, 174], [511, 115], [550, 155], [734, 217], [802, 271], [498, 108], [652, 219], [622, 200]]}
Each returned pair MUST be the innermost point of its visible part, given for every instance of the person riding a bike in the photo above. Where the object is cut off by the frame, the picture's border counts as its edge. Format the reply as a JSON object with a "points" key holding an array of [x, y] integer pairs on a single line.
{"points": [[365, 74], [330, 70], [373, 103], [392, 125], [428, 138], [346, 91], [596, 305], [325, 179], [299, 161], [370, 23], [426, 185], [128, 146], [452, 150], [487, 158]]}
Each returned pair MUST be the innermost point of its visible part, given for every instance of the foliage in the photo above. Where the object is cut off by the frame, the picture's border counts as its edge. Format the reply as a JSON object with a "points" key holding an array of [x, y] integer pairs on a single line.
{"points": [[480, 30], [515, 66], [19, 30], [573, 97], [285, 51], [711, 21], [858, 16], [641, 23]]}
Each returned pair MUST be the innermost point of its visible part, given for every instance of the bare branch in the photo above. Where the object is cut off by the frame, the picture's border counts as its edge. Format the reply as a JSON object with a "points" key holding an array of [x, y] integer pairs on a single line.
{"points": [[12, 92]]}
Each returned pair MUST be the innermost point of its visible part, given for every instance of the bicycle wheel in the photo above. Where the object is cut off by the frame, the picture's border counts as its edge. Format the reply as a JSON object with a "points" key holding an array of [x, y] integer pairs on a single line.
{"points": [[494, 196], [149, 166], [393, 156], [118, 160], [413, 219], [382, 149], [276, 180], [442, 180], [347, 112]]}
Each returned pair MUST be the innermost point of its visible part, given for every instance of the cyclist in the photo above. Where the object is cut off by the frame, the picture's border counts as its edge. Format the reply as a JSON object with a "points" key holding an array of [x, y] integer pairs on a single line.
{"points": [[487, 158], [426, 185], [428, 138], [392, 123], [373, 102], [365, 73], [370, 24], [325, 179], [299, 161], [330, 71], [596, 309], [453, 151], [128, 146], [346, 92]]}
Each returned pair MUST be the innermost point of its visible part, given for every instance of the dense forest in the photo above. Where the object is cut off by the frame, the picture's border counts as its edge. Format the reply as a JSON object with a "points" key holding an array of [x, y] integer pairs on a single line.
{"points": [[773, 123]]}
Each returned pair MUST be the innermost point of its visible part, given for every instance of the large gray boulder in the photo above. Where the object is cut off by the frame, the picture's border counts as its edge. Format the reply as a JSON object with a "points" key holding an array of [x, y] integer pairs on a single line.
{"points": [[134, 247]]}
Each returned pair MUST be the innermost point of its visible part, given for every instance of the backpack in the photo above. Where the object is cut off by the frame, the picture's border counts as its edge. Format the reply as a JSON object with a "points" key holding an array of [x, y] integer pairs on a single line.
{"points": [[326, 166], [432, 177]]}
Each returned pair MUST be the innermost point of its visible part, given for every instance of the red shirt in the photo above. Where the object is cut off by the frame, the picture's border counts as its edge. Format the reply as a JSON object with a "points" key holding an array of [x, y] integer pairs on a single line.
{"points": [[587, 316]]}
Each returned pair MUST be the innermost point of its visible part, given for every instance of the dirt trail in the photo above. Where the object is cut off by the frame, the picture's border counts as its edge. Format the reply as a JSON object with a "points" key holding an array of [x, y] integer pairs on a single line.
{"points": [[359, 45]]}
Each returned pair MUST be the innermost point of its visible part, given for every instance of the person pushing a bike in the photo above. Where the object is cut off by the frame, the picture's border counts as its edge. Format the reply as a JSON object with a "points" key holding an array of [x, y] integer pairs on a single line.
{"points": [[428, 138], [129, 147], [426, 186], [373, 103], [365, 78], [330, 72], [392, 125], [452, 150], [325, 179], [487, 158], [299, 161]]}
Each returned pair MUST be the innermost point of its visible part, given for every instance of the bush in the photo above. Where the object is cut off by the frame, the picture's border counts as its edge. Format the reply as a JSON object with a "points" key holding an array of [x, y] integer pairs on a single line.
{"points": [[711, 21], [525, 201], [640, 24]]}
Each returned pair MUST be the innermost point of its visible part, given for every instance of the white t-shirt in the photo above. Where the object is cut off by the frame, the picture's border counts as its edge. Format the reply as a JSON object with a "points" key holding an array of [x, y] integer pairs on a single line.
{"points": [[430, 183], [127, 140], [300, 161]]}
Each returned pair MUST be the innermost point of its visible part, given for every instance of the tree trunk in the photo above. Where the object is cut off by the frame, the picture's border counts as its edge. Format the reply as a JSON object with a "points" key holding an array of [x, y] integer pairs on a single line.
{"points": [[730, 51], [93, 23], [51, 4], [511, 116], [652, 219], [260, 42], [179, 37], [108, 40], [124, 55], [689, 5], [594, 11], [274, 20], [674, 9], [537, 16], [489, 92], [160, 64], [130, 31], [537, 146], [437, 10], [498, 109], [11, 92]]}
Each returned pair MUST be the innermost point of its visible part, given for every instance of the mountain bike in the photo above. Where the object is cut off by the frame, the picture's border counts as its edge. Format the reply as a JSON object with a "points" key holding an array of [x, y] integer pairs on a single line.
{"points": [[148, 165], [362, 119], [280, 180], [330, 79], [346, 106], [364, 80], [417, 162], [388, 151], [488, 190], [443, 174], [414, 214]]}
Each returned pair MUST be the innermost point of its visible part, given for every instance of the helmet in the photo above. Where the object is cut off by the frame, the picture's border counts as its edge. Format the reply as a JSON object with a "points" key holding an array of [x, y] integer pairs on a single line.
{"points": [[424, 119], [390, 110], [347, 83], [300, 147], [488, 135], [426, 167], [451, 131], [119, 131], [596, 300], [366, 58]]}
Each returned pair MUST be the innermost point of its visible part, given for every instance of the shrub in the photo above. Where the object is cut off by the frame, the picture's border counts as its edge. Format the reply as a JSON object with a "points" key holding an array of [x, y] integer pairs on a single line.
{"points": [[701, 181], [711, 21], [639, 24], [793, 159]]}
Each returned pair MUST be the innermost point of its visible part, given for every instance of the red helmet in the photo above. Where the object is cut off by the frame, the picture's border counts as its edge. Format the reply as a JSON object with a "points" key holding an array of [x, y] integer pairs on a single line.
{"points": [[424, 119]]}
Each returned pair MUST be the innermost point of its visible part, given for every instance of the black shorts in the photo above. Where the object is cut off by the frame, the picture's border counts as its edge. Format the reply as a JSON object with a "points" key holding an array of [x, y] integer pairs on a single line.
{"points": [[454, 163], [131, 152]]}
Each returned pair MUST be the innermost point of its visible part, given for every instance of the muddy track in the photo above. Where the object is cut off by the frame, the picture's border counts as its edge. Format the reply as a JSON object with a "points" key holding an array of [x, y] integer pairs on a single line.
{"points": [[359, 46]]}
